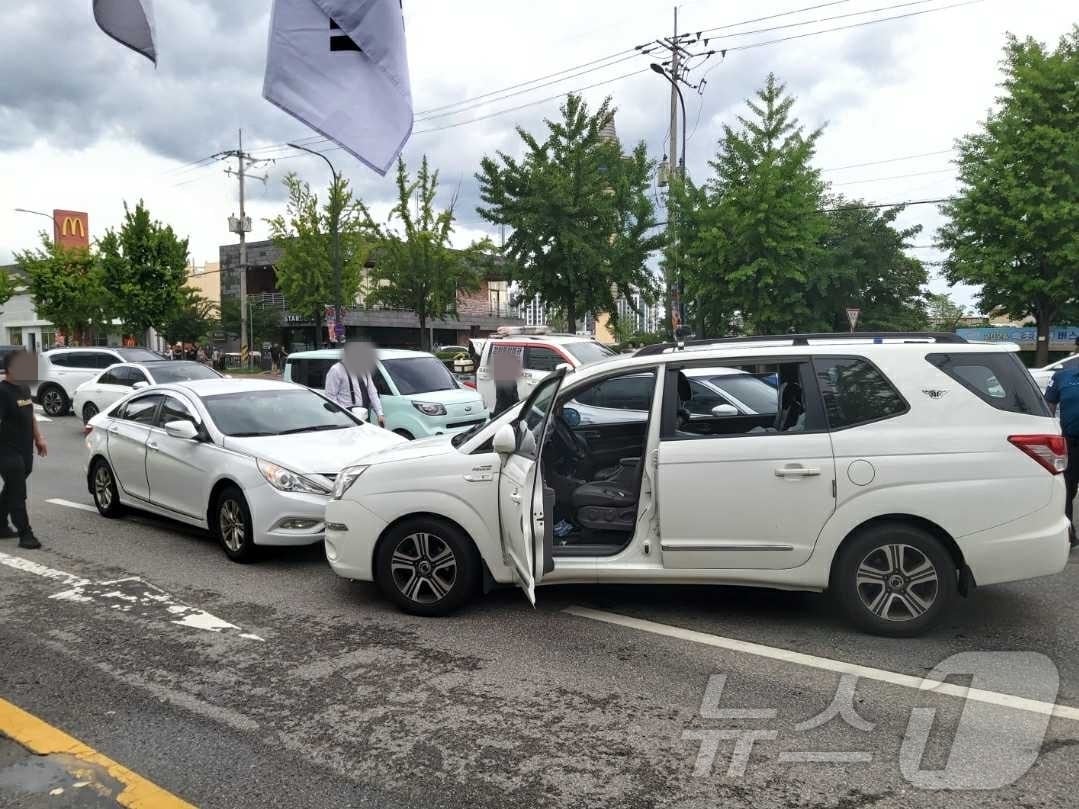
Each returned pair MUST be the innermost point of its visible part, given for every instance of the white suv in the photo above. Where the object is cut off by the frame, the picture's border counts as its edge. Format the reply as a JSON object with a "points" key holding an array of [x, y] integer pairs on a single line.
{"points": [[539, 352], [62, 370], [896, 473]]}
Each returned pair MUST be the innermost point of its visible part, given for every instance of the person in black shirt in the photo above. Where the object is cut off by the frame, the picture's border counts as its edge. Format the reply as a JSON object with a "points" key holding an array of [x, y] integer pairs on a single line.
{"points": [[19, 436]]}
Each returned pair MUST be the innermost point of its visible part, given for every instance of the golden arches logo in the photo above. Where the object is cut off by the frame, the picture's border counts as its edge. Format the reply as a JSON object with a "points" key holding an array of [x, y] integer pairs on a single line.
{"points": [[73, 226]]}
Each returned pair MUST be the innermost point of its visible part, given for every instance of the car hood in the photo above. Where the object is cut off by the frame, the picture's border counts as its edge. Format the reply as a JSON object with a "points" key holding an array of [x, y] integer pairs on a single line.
{"points": [[413, 450], [320, 453]]}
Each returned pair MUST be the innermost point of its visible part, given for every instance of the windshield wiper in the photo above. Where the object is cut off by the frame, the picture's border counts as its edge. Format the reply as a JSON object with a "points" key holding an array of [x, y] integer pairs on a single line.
{"points": [[314, 429], [251, 434]]}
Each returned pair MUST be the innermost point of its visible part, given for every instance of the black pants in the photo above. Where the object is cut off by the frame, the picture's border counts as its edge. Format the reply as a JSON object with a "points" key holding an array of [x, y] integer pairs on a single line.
{"points": [[505, 396], [15, 469], [1071, 477]]}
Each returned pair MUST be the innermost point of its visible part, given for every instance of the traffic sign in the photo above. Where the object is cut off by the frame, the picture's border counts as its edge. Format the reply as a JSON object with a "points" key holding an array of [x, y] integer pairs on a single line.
{"points": [[852, 317]]}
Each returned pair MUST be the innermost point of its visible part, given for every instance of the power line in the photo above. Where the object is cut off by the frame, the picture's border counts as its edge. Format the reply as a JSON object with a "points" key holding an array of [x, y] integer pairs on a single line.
{"points": [[895, 177], [888, 160], [902, 204]]}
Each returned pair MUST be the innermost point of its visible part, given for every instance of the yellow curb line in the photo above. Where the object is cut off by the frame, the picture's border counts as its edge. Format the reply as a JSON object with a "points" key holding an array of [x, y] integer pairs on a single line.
{"points": [[43, 739]]}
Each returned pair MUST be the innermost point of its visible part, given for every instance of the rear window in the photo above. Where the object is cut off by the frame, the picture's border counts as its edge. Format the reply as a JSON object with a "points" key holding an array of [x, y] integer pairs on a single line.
{"points": [[998, 379], [182, 371], [855, 392], [138, 355], [585, 351]]}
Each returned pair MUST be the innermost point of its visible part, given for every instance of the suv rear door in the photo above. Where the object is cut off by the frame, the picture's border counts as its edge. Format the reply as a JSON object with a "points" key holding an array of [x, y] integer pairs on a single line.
{"points": [[744, 492]]}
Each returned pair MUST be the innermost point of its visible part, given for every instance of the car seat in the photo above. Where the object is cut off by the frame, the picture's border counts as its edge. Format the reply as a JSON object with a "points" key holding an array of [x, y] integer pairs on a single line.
{"points": [[791, 407]]}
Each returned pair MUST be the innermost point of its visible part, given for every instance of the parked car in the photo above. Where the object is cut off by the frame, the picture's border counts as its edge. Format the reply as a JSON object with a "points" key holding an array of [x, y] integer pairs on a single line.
{"points": [[1044, 375], [539, 352], [64, 369], [117, 381], [419, 396], [253, 461], [895, 475]]}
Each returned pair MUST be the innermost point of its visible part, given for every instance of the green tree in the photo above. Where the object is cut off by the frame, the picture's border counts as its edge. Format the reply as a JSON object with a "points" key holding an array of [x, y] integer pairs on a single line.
{"points": [[1014, 227], [415, 267], [7, 288], [944, 314], [305, 271], [760, 227], [68, 288], [863, 265], [143, 270], [581, 213], [192, 320], [264, 322]]}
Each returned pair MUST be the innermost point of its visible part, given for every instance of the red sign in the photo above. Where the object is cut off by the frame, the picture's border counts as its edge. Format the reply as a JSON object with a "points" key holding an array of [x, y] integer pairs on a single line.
{"points": [[71, 228]]}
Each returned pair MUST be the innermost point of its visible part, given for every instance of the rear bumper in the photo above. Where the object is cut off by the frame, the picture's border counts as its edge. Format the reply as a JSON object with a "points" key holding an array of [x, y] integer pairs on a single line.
{"points": [[351, 534], [1036, 545]]}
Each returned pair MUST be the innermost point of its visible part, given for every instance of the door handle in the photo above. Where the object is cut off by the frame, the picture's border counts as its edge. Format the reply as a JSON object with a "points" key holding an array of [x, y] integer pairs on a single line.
{"points": [[515, 495], [151, 446], [797, 471]]}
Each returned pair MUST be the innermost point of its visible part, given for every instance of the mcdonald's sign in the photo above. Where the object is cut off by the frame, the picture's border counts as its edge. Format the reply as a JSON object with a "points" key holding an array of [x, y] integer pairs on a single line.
{"points": [[71, 228]]}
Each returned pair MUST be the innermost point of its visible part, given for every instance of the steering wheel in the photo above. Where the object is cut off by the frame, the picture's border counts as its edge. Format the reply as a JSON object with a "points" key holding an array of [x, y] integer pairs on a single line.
{"points": [[576, 445]]}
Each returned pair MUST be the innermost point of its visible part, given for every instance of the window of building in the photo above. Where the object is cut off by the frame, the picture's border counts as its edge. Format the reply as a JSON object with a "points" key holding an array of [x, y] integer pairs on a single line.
{"points": [[14, 335]]}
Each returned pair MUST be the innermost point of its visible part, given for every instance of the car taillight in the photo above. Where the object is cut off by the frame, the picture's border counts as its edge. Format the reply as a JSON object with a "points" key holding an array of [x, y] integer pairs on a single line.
{"points": [[1051, 451], [469, 384], [87, 429]]}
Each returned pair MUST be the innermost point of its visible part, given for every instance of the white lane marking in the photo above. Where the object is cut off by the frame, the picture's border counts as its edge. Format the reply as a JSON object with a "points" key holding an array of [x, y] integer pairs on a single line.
{"points": [[827, 664], [130, 594], [59, 501], [40, 414]]}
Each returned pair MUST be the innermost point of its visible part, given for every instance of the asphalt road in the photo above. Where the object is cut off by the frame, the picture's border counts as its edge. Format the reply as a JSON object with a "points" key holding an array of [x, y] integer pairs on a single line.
{"points": [[315, 692]]}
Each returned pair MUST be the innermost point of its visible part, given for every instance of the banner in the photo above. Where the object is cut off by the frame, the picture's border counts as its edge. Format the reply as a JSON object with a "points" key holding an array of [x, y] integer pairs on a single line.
{"points": [[129, 22], [341, 67]]}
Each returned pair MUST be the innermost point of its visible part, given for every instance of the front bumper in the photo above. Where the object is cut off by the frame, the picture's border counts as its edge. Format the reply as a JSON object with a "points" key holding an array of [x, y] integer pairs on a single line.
{"points": [[273, 512], [351, 534]]}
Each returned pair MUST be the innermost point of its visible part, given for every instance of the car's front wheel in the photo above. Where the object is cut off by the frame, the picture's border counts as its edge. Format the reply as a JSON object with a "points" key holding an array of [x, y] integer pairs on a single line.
{"points": [[232, 524], [54, 401], [895, 580], [89, 410], [105, 492], [427, 567]]}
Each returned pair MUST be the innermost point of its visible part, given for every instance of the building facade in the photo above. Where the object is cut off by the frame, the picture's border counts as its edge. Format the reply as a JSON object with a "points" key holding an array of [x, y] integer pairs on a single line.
{"points": [[205, 279], [479, 313]]}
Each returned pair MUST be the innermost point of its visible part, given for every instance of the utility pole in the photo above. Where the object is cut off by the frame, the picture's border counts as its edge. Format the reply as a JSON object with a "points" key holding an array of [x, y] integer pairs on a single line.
{"points": [[674, 291], [241, 226]]}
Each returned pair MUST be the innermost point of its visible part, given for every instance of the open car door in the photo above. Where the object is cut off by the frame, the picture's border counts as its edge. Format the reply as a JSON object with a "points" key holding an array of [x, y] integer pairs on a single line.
{"points": [[520, 498]]}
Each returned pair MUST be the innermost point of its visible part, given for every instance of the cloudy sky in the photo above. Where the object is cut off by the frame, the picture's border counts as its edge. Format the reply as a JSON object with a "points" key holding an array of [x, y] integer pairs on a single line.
{"points": [[86, 124]]}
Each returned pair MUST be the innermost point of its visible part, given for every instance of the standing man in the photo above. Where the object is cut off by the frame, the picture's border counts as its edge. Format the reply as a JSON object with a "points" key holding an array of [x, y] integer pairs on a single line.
{"points": [[506, 368], [1063, 391], [349, 382], [19, 436]]}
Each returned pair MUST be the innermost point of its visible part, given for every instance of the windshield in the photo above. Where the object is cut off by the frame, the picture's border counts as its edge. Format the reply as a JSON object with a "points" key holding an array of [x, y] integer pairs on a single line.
{"points": [[181, 372], [139, 355], [759, 396], [419, 375], [587, 351], [275, 412]]}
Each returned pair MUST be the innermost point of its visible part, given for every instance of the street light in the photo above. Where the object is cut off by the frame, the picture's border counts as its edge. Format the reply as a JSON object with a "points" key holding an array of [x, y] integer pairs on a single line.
{"points": [[335, 237], [39, 213]]}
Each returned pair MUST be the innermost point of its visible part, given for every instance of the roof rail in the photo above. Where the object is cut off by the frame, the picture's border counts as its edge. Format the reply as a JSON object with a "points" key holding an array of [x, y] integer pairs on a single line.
{"points": [[803, 339]]}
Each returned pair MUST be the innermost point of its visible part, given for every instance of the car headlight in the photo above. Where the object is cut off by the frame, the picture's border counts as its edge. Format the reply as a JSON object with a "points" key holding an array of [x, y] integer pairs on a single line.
{"points": [[286, 480], [430, 408], [345, 478]]}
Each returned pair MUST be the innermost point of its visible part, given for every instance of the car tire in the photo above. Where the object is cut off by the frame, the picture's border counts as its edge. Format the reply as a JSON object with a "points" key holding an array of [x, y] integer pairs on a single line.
{"points": [[894, 580], [54, 401], [428, 567], [232, 525], [105, 492], [404, 434], [89, 410]]}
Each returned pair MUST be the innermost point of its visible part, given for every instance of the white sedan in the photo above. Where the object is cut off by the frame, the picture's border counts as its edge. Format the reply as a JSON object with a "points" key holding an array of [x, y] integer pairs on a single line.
{"points": [[254, 462], [1042, 376], [117, 381]]}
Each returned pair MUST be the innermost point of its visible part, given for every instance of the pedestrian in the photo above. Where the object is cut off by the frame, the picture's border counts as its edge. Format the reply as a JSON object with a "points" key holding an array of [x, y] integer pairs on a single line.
{"points": [[349, 382], [19, 437], [506, 369], [200, 355], [275, 357], [1063, 393]]}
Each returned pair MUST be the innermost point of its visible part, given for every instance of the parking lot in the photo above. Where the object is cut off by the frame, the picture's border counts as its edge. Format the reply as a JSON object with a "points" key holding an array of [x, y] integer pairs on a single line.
{"points": [[279, 684]]}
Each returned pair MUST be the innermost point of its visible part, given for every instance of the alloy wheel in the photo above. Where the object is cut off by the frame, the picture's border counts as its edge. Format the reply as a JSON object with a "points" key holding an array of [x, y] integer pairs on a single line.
{"points": [[424, 568], [53, 402], [231, 522], [103, 487], [89, 411], [897, 582]]}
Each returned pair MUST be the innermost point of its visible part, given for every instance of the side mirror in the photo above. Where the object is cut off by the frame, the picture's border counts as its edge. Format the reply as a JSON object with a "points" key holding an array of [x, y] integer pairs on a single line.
{"points": [[719, 411], [141, 385], [182, 429], [359, 412], [505, 440]]}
